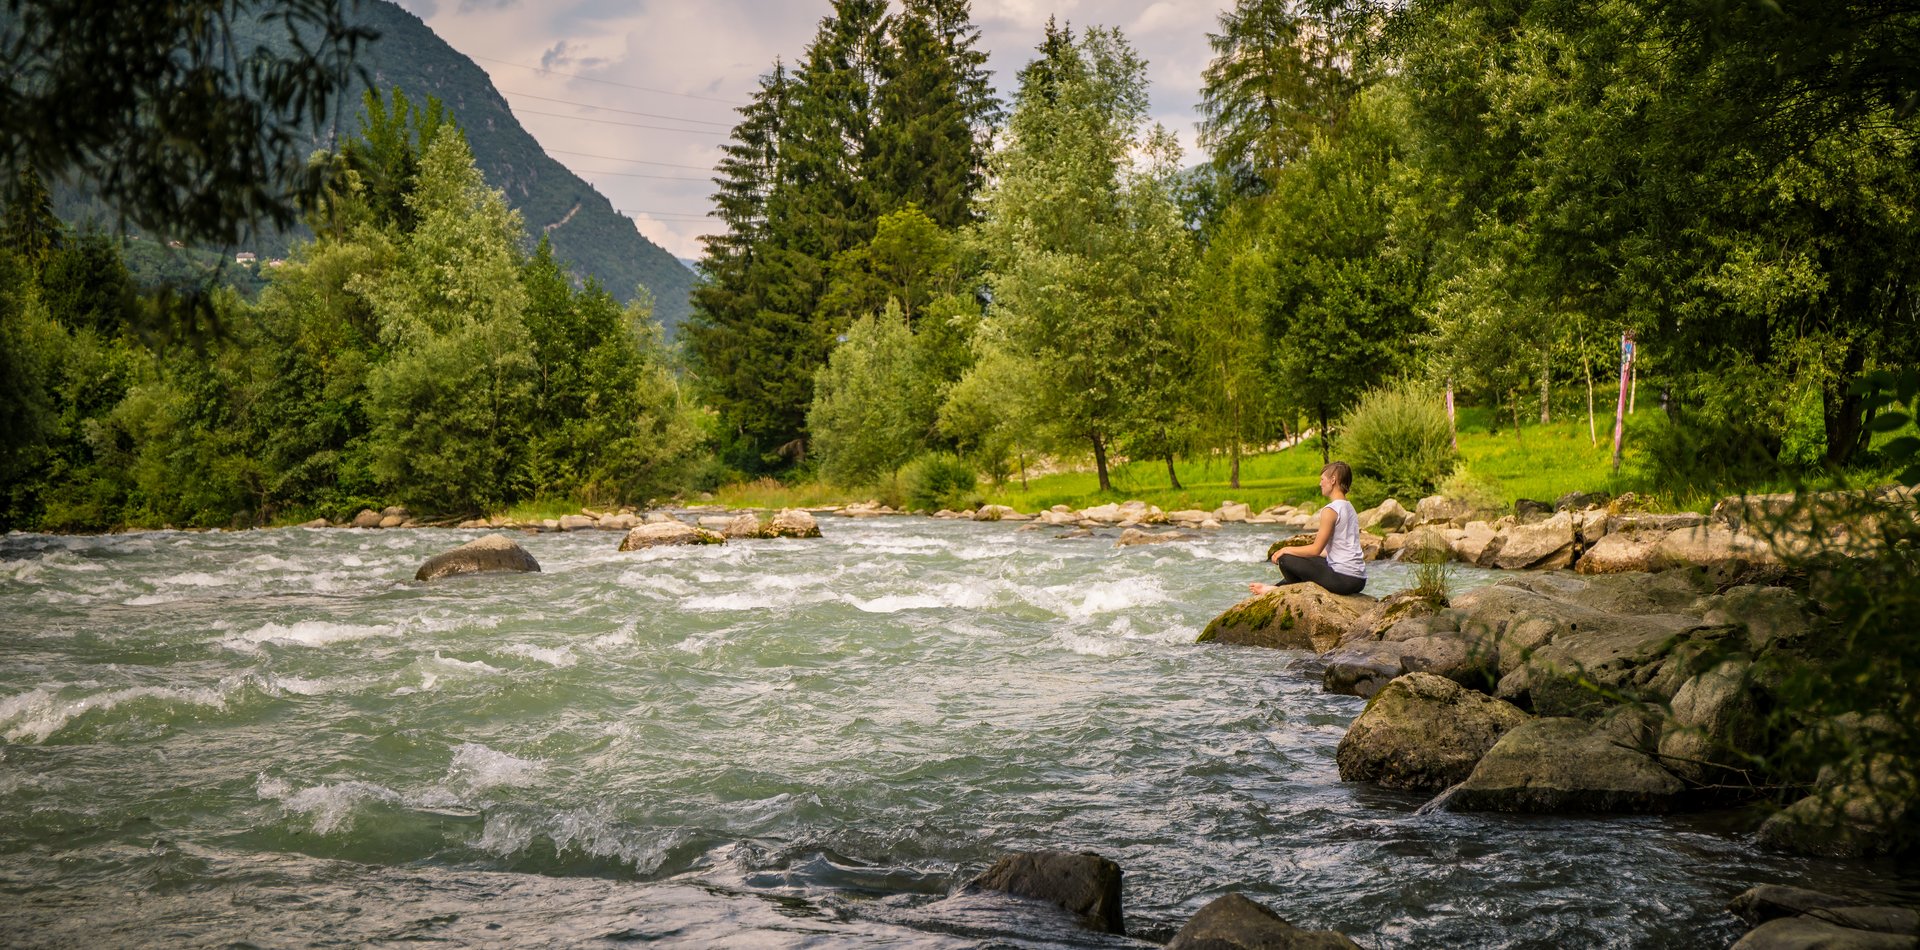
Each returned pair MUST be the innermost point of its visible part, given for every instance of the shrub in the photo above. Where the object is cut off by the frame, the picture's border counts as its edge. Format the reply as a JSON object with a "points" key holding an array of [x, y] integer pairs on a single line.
{"points": [[1398, 438], [939, 480]]}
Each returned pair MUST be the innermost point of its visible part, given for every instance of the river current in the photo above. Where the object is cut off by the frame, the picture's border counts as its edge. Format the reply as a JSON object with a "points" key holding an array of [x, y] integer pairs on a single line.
{"points": [[277, 738]]}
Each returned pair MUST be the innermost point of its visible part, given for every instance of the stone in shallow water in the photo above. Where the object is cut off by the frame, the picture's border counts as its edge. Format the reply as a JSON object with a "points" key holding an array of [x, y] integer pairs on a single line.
{"points": [[1236, 923], [665, 533], [1423, 732], [1083, 883], [491, 553], [1557, 766]]}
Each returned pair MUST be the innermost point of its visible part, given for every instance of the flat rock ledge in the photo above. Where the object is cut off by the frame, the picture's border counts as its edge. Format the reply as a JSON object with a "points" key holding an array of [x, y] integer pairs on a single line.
{"points": [[1082, 883], [1560, 766], [1794, 918], [1237, 923], [484, 555]]}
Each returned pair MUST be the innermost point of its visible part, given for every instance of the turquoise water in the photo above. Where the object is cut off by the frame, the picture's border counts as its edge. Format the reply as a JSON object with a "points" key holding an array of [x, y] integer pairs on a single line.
{"points": [[276, 738]]}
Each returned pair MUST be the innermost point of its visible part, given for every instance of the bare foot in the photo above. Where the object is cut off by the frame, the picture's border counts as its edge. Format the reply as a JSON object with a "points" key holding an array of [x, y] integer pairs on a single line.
{"points": [[1259, 588]]}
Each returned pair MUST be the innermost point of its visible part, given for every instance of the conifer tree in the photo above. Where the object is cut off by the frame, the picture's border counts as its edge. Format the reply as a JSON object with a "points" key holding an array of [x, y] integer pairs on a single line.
{"points": [[1281, 73]]}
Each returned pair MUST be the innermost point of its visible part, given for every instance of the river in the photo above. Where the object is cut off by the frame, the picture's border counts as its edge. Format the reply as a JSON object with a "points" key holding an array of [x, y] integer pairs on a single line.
{"points": [[277, 738]]}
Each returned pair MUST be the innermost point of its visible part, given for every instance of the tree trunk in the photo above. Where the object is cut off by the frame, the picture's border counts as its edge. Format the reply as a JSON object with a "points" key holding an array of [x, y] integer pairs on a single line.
{"points": [[1326, 449], [1546, 391], [1586, 366], [1173, 478], [1023, 468], [1452, 424], [1513, 399], [1233, 450], [1100, 462], [1620, 417], [1845, 419]]}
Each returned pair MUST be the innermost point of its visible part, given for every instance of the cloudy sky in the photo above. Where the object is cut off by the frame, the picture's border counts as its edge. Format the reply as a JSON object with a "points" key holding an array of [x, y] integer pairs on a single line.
{"points": [[601, 82]]}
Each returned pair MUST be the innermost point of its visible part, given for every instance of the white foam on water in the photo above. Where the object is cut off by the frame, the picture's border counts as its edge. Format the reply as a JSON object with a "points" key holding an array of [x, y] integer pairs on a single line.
{"points": [[433, 669], [476, 767], [36, 715], [552, 656], [965, 596], [1086, 601], [329, 805], [652, 584], [301, 686], [755, 597], [307, 633], [204, 579]]}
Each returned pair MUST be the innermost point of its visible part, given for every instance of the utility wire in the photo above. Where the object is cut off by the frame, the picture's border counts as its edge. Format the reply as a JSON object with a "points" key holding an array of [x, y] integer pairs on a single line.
{"points": [[639, 175], [664, 92], [636, 161], [630, 125], [589, 105]]}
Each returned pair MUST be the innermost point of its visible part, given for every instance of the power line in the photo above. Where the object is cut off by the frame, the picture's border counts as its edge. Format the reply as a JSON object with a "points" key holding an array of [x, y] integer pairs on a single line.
{"points": [[636, 161], [665, 214], [589, 105], [630, 125], [609, 82], [639, 175]]}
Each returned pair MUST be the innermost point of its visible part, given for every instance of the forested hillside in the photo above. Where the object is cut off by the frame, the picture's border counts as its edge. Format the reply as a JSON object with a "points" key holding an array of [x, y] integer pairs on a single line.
{"points": [[595, 240]]}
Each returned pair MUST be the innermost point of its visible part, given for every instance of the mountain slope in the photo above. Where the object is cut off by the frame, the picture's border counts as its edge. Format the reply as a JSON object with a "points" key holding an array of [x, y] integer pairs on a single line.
{"points": [[588, 235]]}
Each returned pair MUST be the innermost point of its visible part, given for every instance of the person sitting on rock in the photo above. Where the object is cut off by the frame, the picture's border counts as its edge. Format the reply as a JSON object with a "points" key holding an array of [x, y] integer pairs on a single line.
{"points": [[1333, 558]]}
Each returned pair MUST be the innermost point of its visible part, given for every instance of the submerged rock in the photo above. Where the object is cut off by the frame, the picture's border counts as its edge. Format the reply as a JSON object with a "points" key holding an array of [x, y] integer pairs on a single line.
{"points": [[491, 553], [1236, 923], [1809, 933], [1757, 905], [666, 533], [1556, 766], [1423, 732], [1083, 883], [1134, 536], [1297, 617]]}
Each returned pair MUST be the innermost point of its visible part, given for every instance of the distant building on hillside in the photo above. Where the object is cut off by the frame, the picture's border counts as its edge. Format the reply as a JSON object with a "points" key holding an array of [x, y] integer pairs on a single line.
{"points": [[245, 257]]}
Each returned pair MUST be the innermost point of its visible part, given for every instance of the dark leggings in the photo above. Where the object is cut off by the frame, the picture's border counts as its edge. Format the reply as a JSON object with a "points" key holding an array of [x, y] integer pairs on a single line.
{"points": [[1299, 570]]}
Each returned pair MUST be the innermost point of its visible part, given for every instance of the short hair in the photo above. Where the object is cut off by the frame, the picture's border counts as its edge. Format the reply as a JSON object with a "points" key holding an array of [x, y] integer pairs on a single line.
{"points": [[1341, 472]]}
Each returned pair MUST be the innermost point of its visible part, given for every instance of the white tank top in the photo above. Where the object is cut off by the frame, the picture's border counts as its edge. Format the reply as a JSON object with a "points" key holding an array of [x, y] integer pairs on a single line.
{"points": [[1343, 549]]}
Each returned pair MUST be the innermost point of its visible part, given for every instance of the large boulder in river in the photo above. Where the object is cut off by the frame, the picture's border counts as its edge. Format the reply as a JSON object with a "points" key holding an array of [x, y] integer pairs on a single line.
{"points": [[1236, 923], [1717, 724], [1858, 808], [1619, 554], [1083, 883], [668, 533], [1423, 732], [743, 525], [1556, 766], [491, 553], [367, 518], [1389, 515], [1294, 617], [1134, 536], [793, 523], [1721, 551]]}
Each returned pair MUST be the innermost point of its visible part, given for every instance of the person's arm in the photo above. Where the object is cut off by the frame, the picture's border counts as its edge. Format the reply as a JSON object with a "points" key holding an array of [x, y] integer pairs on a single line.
{"points": [[1320, 538]]}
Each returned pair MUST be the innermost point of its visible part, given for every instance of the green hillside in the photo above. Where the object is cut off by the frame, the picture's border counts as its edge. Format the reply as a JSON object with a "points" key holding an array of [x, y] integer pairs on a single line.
{"points": [[588, 235]]}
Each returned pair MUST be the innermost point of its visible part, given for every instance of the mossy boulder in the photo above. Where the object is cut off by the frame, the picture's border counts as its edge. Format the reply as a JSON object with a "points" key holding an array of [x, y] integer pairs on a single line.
{"points": [[1294, 617], [792, 523], [1423, 732], [1559, 766], [1864, 807]]}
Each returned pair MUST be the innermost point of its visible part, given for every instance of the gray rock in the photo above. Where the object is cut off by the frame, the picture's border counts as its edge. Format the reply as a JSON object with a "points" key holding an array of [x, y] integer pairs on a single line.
{"points": [[1134, 536], [1423, 732], [1757, 905], [1387, 516], [1362, 669], [315, 523], [1298, 617], [1647, 523], [1618, 553], [367, 518], [1887, 920], [666, 533], [1472, 546], [1543, 546], [743, 525], [1439, 509], [1528, 511], [793, 523], [1581, 501], [1082, 883], [1424, 545], [1236, 923], [1557, 766], [1717, 722], [577, 522], [1720, 550], [482, 555], [1806, 933], [1855, 810], [392, 521]]}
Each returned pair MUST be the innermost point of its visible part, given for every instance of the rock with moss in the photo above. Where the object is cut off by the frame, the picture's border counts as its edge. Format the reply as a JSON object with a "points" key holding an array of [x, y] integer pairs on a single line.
{"points": [[667, 534], [1423, 732], [1862, 807], [1717, 726], [1426, 545], [1294, 541], [1565, 766], [1237, 923], [1294, 617], [492, 553]]}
